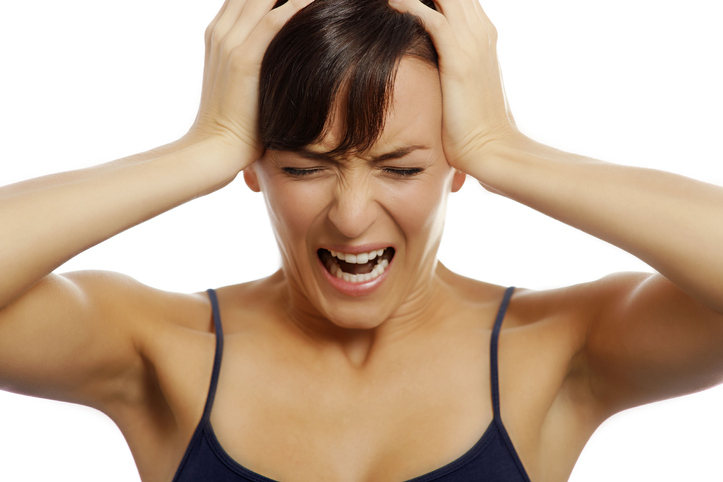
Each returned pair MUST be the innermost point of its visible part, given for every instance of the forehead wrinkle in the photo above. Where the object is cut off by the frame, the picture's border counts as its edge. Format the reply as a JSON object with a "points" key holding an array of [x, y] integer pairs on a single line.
{"points": [[394, 154], [398, 153]]}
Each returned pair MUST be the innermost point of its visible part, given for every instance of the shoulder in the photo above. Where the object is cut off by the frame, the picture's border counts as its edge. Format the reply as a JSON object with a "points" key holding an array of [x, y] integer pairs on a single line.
{"points": [[544, 349], [575, 304], [119, 298], [254, 304], [578, 303], [623, 340], [156, 326], [562, 327], [177, 340], [80, 337]]}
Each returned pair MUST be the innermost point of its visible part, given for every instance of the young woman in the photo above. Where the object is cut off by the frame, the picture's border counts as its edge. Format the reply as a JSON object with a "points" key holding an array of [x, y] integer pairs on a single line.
{"points": [[382, 374]]}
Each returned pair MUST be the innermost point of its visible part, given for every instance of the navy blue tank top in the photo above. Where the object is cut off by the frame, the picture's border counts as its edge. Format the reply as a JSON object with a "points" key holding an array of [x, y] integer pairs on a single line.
{"points": [[491, 459]]}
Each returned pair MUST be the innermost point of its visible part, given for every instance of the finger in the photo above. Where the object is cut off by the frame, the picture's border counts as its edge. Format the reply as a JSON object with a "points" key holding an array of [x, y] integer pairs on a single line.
{"points": [[489, 26], [229, 18], [208, 73], [215, 20], [455, 11], [249, 20], [270, 24], [469, 8], [211, 26], [435, 23]]}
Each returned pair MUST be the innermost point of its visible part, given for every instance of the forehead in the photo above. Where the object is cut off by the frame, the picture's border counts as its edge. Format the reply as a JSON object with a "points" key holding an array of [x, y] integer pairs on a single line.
{"points": [[414, 116]]}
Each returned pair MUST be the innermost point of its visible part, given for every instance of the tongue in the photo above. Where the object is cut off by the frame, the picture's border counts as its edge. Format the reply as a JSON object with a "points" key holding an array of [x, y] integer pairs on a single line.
{"points": [[353, 268]]}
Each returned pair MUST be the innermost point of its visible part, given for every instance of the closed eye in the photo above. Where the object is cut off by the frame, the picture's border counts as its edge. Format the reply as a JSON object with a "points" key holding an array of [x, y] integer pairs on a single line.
{"points": [[292, 171], [403, 172], [397, 171]]}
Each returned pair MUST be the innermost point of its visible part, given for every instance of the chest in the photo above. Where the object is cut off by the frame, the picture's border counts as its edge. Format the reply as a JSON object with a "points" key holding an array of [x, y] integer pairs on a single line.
{"points": [[407, 416]]}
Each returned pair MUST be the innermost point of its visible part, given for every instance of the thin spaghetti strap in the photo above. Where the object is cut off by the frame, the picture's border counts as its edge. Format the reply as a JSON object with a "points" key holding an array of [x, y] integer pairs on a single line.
{"points": [[493, 352], [218, 356]]}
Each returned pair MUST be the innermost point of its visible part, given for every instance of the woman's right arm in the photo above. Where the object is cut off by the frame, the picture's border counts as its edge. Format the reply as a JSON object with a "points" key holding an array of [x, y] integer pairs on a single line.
{"points": [[48, 220], [66, 336], [72, 337]]}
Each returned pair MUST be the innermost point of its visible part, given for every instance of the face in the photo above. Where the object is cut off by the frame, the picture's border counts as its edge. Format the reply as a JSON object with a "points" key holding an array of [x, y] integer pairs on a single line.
{"points": [[359, 235]]}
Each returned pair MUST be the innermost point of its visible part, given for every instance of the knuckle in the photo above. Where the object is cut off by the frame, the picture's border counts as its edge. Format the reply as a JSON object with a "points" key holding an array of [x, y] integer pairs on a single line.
{"points": [[225, 48], [209, 31], [435, 21], [216, 37], [274, 20]]}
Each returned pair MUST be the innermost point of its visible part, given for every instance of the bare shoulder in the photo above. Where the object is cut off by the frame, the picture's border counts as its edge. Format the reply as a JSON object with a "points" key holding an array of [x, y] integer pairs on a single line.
{"points": [[577, 332], [177, 340], [251, 305], [77, 337], [550, 409], [574, 304], [123, 299]]}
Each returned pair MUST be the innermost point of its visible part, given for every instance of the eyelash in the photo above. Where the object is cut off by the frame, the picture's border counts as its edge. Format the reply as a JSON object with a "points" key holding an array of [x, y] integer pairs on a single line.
{"points": [[299, 172], [406, 172]]}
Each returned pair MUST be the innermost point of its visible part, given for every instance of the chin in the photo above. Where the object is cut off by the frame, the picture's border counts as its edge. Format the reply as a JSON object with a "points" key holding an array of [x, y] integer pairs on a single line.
{"points": [[356, 318]]}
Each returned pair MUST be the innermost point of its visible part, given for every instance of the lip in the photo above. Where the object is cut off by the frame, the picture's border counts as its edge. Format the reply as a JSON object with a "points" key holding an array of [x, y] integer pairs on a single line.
{"points": [[355, 289]]}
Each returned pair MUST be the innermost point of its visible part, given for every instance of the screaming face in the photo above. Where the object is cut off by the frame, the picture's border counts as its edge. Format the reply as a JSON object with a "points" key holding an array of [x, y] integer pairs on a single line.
{"points": [[359, 235]]}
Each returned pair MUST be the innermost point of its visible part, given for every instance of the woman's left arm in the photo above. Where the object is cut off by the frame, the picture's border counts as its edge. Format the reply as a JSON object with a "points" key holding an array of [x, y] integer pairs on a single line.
{"points": [[648, 336], [673, 223]]}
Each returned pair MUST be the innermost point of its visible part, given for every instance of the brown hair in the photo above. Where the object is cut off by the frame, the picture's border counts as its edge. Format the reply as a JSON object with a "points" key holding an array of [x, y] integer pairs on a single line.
{"points": [[327, 47]]}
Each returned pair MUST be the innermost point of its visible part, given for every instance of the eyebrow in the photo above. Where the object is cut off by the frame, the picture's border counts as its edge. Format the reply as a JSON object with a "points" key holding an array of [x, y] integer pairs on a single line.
{"points": [[396, 154]]}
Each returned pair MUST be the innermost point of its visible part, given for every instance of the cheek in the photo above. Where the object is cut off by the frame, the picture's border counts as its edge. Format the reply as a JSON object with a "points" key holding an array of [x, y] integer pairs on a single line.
{"points": [[294, 207], [418, 207]]}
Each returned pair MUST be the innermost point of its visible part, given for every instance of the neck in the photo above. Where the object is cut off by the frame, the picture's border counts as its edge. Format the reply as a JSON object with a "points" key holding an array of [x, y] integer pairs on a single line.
{"points": [[413, 315]]}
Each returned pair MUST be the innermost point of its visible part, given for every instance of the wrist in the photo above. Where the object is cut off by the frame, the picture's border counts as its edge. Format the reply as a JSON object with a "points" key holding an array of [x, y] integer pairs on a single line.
{"points": [[486, 158], [224, 154]]}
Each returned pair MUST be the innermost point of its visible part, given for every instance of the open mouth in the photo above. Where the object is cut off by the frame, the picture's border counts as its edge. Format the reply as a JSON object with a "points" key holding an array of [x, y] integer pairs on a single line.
{"points": [[356, 268]]}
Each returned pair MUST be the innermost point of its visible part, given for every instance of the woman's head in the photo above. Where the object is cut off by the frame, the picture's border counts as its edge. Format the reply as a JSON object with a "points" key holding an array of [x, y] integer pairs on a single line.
{"points": [[351, 116]]}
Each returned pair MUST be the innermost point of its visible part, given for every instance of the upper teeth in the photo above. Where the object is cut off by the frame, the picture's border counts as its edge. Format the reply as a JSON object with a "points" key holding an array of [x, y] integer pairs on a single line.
{"points": [[360, 258]]}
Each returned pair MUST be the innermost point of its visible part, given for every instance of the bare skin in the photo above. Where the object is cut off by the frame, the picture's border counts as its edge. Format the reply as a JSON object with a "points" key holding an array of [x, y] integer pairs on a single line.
{"points": [[418, 403], [317, 386]]}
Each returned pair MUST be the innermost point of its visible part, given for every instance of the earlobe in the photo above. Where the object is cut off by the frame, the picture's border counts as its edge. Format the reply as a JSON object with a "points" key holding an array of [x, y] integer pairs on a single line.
{"points": [[458, 180], [252, 180]]}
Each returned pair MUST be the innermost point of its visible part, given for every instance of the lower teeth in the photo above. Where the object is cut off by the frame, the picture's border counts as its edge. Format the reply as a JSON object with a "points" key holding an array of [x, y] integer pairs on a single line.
{"points": [[335, 270]]}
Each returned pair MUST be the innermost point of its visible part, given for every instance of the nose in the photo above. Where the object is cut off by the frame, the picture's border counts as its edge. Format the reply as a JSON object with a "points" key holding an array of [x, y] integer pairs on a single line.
{"points": [[354, 209]]}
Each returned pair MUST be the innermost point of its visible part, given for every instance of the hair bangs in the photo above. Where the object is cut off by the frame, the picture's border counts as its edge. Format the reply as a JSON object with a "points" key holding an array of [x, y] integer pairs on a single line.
{"points": [[336, 54]]}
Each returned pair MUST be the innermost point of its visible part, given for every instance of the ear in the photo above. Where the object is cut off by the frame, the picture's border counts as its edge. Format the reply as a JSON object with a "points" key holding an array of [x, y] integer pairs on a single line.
{"points": [[458, 180], [251, 178]]}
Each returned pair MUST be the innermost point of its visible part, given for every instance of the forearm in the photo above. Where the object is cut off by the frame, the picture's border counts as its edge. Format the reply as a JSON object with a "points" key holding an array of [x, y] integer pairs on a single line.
{"points": [[46, 221], [671, 222]]}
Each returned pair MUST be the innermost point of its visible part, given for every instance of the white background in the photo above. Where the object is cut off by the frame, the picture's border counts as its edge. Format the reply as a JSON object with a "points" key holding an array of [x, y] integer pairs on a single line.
{"points": [[633, 82]]}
